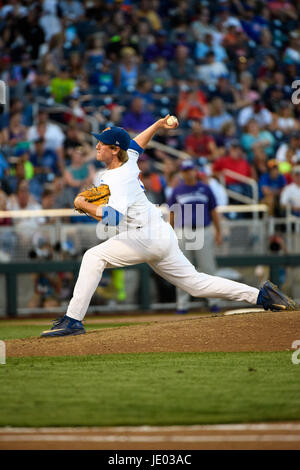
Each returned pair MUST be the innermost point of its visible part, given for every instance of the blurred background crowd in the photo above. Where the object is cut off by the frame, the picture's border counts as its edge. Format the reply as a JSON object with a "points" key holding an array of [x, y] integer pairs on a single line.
{"points": [[225, 68]]}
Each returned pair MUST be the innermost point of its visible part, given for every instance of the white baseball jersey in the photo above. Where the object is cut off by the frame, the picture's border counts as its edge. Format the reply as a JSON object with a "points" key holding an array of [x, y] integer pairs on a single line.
{"points": [[128, 193]]}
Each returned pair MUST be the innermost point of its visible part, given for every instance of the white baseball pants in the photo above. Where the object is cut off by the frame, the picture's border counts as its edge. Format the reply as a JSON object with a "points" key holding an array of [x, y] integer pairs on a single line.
{"points": [[158, 246]]}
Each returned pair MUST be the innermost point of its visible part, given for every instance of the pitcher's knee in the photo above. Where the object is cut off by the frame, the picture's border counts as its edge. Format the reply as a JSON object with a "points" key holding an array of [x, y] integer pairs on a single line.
{"points": [[92, 257], [193, 291]]}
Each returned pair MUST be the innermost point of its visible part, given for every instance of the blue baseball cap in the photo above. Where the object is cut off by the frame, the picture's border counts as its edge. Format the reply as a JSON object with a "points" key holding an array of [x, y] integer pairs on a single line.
{"points": [[187, 165], [114, 136]]}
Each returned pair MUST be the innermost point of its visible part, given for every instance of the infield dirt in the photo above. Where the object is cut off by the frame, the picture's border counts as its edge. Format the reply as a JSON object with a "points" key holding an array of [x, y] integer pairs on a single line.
{"points": [[266, 331]]}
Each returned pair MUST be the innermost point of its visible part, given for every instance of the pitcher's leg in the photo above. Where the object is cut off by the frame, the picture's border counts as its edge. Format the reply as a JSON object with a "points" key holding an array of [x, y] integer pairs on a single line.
{"points": [[115, 252], [92, 267], [177, 269]]}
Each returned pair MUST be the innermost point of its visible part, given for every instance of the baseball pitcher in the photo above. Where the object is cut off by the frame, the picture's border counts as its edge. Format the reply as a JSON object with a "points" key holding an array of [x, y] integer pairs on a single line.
{"points": [[119, 199]]}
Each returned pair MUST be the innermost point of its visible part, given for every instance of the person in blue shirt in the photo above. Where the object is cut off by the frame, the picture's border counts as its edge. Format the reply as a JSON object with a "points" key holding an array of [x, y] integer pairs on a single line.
{"points": [[270, 186], [3, 166], [192, 214], [45, 161]]}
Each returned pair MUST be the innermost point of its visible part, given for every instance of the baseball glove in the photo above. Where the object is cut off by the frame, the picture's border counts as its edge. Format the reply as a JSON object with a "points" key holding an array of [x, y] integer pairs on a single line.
{"points": [[98, 195]]}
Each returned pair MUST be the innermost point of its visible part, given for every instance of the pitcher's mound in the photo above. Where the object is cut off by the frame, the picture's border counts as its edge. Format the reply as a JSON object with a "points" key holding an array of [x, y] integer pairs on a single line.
{"points": [[267, 331]]}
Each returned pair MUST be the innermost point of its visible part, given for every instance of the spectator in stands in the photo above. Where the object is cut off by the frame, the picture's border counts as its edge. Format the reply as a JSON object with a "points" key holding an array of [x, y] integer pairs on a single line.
{"points": [[245, 95], [208, 44], [201, 24], [48, 198], [161, 48], [73, 10], [62, 86], [104, 78], [254, 137], [290, 195], [143, 36], [192, 102], [137, 118], [159, 73], [182, 67], [260, 162], [64, 198], [75, 65], [265, 48], [74, 137], [123, 38], [210, 72], [277, 91], [21, 169], [217, 117], [234, 161], [270, 187], [95, 52], [4, 170], [23, 200], [147, 12], [284, 120], [224, 90], [256, 111], [49, 21], [152, 181], [292, 53], [16, 105], [267, 70], [289, 152], [52, 133], [45, 163], [128, 71], [79, 174], [218, 190], [199, 143], [144, 90], [31, 31], [236, 43], [228, 132], [15, 132], [4, 221]]}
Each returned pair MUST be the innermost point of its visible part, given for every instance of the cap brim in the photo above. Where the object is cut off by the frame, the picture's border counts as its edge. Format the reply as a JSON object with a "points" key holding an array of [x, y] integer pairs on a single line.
{"points": [[97, 136]]}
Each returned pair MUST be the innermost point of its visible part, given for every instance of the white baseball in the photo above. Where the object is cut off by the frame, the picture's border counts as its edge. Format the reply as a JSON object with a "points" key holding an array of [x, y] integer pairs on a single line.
{"points": [[172, 120]]}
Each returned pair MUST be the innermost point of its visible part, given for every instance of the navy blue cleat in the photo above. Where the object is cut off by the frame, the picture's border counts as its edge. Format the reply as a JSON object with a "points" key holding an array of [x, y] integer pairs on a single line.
{"points": [[65, 326], [271, 298]]}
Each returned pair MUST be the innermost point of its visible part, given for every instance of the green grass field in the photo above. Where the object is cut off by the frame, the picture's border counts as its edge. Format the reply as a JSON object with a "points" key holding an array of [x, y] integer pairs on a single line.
{"points": [[150, 388]]}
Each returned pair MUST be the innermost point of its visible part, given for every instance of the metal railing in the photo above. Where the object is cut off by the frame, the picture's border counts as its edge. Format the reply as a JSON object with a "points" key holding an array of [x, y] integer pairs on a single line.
{"points": [[243, 179]]}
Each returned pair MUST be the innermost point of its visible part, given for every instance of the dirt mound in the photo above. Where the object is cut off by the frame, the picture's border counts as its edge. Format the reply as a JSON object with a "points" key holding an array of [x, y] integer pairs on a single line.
{"points": [[251, 332]]}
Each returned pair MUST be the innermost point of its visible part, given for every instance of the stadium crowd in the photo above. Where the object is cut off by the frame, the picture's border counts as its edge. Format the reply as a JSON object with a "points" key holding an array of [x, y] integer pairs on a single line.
{"points": [[225, 68]]}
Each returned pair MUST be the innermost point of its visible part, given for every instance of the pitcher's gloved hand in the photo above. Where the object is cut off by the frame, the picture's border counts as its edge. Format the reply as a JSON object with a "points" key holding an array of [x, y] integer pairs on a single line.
{"points": [[98, 195]]}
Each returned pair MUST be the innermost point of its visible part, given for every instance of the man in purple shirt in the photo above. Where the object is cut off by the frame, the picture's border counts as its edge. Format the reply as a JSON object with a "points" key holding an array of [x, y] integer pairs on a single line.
{"points": [[137, 119], [192, 214], [161, 48]]}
